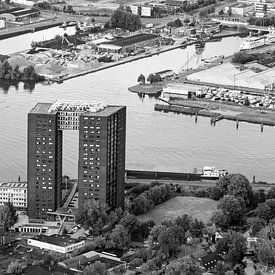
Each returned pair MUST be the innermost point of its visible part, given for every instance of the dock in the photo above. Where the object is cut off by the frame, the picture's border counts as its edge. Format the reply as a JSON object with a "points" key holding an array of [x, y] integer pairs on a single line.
{"points": [[237, 114]]}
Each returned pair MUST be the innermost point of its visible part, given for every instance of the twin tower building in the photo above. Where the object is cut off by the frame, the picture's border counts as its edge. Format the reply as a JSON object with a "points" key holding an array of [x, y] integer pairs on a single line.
{"points": [[101, 160]]}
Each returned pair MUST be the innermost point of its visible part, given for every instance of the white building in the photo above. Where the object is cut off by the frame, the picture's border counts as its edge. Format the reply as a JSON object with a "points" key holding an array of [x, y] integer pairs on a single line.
{"points": [[240, 9], [2, 24], [61, 244], [14, 192]]}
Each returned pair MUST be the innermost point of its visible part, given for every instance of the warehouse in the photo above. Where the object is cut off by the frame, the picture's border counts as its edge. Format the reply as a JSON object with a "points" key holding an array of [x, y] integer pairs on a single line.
{"points": [[130, 43], [20, 15]]}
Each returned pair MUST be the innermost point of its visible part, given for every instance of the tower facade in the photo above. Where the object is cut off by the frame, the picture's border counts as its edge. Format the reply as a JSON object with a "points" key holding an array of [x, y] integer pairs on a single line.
{"points": [[101, 164], [44, 162], [101, 169]]}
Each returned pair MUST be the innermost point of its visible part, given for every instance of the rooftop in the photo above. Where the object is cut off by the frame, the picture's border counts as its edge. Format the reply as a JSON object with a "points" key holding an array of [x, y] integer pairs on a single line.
{"points": [[87, 107], [13, 184], [55, 240], [130, 40], [24, 12], [77, 106]]}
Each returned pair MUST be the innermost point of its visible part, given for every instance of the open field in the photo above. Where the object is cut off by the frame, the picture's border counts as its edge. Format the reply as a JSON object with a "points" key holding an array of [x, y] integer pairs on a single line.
{"points": [[199, 208]]}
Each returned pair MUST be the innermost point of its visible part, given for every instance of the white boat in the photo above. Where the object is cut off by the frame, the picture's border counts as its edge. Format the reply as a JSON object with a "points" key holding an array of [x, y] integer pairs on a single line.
{"points": [[252, 43], [210, 172]]}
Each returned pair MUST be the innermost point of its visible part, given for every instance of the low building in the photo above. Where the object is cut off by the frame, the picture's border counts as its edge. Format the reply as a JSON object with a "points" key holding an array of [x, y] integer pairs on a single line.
{"points": [[178, 3], [211, 27], [20, 15], [14, 192], [61, 244], [130, 43], [240, 9], [83, 260], [165, 74]]}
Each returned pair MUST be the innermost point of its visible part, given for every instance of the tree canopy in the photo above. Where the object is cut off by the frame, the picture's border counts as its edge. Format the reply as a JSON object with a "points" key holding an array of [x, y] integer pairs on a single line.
{"points": [[93, 216], [125, 20], [234, 245], [96, 268], [236, 185]]}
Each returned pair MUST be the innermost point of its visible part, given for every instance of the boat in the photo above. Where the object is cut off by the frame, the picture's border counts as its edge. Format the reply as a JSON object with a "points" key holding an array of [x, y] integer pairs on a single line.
{"points": [[252, 43], [211, 173]]}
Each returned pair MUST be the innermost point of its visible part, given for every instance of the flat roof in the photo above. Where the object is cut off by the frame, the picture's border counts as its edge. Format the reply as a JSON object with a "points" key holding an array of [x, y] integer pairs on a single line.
{"points": [[14, 184], [55, 240], [85, 107], [76, 106], [126, 41], [109, 110], [24, 12], [41, 108], [109, 47]]}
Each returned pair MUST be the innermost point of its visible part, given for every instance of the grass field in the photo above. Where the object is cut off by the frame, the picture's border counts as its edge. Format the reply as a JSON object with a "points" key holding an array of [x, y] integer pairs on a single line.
{"points": [[199, 208]]}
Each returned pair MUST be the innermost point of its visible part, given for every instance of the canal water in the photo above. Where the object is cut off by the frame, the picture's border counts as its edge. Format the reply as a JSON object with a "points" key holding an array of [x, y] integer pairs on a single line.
{"points": [[155, 141]]}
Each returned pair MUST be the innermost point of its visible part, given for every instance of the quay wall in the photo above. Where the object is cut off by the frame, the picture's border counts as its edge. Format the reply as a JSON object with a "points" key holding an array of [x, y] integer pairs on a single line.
{"points": [[157, 175], [38, 26], [203, 112]]}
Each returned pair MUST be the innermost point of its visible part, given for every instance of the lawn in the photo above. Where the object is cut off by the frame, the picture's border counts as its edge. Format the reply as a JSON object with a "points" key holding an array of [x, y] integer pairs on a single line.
{"points": [[199, 208]]}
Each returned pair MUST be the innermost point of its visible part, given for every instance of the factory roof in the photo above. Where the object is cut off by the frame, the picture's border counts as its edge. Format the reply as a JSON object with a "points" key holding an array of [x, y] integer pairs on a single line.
{"points": [[130, 40], [63, 241]]}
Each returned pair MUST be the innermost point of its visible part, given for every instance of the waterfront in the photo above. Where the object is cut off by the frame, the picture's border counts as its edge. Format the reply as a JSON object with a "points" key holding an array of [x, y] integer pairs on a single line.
{"points": [[155, 141], [23, 42]]}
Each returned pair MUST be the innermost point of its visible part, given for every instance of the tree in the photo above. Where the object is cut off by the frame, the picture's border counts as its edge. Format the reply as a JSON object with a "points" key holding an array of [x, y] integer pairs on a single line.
{"points": [[170, 240], [186, 266], [155, 232], [151, 78], [256, 224], [186, 20], [178, 23], [233, 209], [140, 204], [120, 237], [119, 269], [216, 193], [15, 268], [141, 79], [271, 193], [96, 268], [145, 228], [131, 223], [12, 217], [258, 272], [157, 78], [4, 215], [263, 211], [93, 216], [236, 185], [234, 245], [220, 220], [266, 252], [196, 228], [125, 20], [221, 268]]}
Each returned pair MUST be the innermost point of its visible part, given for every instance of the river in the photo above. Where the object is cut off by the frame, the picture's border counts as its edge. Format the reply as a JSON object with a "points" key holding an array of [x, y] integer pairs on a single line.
{"points": [[155, 141]]}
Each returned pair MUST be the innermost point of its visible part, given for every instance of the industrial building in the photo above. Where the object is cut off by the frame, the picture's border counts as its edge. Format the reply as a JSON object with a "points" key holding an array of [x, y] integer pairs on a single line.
{"points": [[19, 15], [130, 43], [14, 192], [60, 244], [80, 261], [101, 164]]}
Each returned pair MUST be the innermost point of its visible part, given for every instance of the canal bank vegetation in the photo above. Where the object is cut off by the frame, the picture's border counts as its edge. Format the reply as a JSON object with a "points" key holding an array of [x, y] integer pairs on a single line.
{"points": [[7, 72]]}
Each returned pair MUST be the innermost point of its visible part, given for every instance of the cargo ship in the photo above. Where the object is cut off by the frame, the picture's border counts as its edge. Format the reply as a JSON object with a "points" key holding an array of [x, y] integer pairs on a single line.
{"points": [[205, 173]]}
